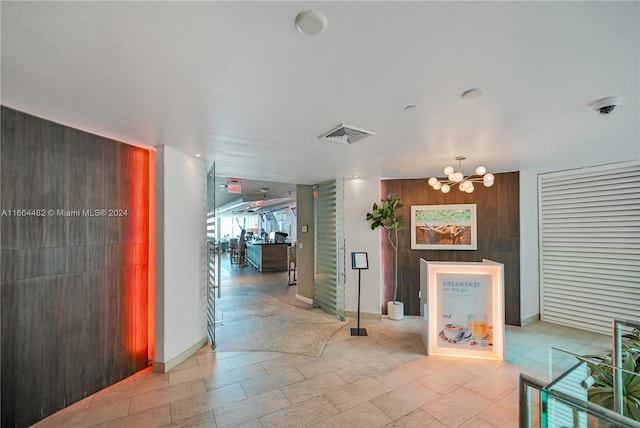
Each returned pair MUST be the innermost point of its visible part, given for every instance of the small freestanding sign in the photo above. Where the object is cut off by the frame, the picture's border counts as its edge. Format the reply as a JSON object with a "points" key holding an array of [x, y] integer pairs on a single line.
{"points": [[464, 309], [359, 261]]}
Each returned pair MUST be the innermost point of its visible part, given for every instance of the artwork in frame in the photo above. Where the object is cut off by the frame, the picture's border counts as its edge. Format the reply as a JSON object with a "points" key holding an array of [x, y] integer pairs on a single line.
{"points": [[444, 227]]}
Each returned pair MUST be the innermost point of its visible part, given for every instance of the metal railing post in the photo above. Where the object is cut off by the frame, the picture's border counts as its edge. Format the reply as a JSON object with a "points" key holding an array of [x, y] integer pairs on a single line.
{"points": [[616, 356], [617, 364], [599, 412], [525, 384], [524, 407]]}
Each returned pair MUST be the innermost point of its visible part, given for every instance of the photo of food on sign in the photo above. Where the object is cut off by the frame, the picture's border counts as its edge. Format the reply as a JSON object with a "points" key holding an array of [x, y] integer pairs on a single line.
{"points": [[466, 311]]}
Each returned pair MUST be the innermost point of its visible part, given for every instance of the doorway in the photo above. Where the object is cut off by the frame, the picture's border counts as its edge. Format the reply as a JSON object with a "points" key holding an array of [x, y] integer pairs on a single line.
{"points": [[264, 213]]}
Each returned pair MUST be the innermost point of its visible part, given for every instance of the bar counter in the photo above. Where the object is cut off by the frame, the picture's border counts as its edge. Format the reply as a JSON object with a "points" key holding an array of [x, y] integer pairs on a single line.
{"points": [[267, 257]]}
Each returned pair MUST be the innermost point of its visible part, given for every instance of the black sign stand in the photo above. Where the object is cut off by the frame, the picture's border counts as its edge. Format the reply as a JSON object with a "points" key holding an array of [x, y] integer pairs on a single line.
{"points": [[359, 261]]}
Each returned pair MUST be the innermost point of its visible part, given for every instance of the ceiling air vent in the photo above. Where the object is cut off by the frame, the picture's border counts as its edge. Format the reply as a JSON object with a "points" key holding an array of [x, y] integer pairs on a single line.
{"points": [[346, 134]]}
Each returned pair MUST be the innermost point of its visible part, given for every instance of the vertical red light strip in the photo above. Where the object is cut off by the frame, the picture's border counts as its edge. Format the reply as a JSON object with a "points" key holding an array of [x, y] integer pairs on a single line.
{"points": [[136, 201], [152, 255]]}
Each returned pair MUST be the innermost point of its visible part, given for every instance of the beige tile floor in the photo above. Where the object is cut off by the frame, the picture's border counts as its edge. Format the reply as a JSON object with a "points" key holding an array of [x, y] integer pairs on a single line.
{"points": [[381, 380]]}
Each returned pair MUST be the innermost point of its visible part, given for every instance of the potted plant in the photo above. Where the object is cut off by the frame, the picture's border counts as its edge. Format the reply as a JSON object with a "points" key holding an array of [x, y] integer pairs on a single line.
{"points": [[386, 215], [600, 366]]}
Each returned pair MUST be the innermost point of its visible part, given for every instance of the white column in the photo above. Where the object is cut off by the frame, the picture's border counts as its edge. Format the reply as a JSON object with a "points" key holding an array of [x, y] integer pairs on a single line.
{"points": [[180, 298], [360, 194], [529, 256]]}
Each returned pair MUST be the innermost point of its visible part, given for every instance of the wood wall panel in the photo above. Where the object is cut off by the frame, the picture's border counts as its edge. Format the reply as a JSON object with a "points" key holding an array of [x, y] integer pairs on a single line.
{"points": [[9, 305], [56, 153], [8, 237], [74, 334], [54, 230], [498, 237], [54, 261], [30, 263], [112, 187], [74, 288], [52, 359], [28, 342], [29, 160], [95, 188], [111, 328], [8, 269]]}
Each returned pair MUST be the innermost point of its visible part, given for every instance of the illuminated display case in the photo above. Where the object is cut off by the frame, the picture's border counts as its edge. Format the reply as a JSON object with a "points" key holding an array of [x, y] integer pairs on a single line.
{"points": [[462, 308]]}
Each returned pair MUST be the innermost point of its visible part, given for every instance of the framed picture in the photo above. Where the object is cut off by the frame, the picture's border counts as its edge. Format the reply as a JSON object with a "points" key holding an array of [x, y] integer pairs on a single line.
{"points": [[443, 227]]}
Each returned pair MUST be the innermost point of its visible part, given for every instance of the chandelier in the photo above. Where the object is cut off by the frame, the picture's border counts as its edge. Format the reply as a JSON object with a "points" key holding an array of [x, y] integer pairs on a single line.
{"points": [[465, 184]]}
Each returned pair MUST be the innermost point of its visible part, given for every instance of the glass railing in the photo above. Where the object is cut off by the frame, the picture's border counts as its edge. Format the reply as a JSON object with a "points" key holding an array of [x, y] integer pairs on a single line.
{"points": [[592, 390], [589, 382]]}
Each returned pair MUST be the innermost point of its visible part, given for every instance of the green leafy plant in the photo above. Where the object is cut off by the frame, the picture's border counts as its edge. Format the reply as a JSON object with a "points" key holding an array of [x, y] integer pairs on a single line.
{"points": [[602, 390], [386, 215]]}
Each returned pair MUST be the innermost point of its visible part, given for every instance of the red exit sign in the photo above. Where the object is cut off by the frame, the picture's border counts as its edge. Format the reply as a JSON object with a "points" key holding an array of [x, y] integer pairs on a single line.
{"points": [[234, 188]]}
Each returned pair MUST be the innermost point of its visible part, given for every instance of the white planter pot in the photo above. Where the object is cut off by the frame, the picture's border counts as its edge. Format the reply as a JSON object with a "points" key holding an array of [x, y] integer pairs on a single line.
{"points": [[395, 310]]}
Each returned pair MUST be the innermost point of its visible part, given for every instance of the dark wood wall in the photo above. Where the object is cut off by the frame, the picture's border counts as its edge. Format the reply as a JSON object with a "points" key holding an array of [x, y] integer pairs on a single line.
{"points": [[73, 288], [498, 211]]}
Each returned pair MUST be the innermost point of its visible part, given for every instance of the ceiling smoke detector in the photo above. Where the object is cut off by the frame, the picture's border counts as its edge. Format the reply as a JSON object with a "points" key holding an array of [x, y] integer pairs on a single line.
{"points": [[471, 94], [345, 134], [311, 22]]}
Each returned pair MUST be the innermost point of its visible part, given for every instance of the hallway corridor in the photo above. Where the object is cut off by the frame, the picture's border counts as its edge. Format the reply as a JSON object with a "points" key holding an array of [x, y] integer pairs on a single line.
{"points": [[381, 380], [260, 312]]}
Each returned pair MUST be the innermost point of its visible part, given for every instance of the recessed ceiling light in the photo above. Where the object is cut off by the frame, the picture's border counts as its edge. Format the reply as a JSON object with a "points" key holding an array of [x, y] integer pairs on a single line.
{"points": [[472, 93], [311, 22], [197, 155]]}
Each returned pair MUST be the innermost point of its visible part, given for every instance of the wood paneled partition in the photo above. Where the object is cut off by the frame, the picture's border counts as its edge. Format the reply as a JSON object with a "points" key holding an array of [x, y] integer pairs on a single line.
{"points": [[498, 237], [75, 262]]}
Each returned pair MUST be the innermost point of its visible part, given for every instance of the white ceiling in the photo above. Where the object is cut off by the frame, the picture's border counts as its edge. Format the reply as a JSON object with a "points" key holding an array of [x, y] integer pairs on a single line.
{"points": [[235, 82], [258, 196]]}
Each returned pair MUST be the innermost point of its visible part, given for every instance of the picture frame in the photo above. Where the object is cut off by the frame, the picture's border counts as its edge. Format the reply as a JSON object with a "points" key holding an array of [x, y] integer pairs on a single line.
{"points": [[444, 227]]}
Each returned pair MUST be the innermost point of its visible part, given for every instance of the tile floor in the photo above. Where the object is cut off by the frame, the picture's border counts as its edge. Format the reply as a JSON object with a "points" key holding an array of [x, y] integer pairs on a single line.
{"points": [[382, 380]]}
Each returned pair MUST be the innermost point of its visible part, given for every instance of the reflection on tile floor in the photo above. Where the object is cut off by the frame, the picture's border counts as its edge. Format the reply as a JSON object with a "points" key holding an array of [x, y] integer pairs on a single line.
{"points": [[381, 380]]}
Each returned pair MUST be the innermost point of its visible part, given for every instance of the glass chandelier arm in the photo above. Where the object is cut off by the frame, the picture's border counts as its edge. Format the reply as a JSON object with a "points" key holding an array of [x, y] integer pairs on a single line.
{"points": [[465, 184]]}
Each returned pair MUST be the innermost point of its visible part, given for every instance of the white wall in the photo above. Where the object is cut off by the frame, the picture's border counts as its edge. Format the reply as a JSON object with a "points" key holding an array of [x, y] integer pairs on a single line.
{"points": [[360, 194], [293, 230], [181, 205], [529, 282], [305, 242]]}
